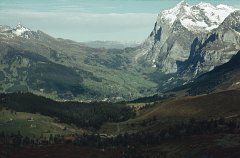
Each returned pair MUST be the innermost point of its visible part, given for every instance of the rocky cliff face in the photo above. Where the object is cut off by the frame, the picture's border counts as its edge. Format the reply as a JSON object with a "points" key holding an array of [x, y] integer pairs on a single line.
{"points": [[215, 48], [191, 39]]}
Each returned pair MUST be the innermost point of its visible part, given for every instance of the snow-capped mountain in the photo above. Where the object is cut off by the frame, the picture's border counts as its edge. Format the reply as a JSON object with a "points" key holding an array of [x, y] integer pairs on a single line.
{"points": [[21, 31], [18, 31], [201, 17], [191, 39]]}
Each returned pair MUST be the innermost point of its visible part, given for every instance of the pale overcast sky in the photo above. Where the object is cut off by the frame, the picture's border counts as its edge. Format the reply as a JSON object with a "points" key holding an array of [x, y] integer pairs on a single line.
{"points": [[89, 20]]}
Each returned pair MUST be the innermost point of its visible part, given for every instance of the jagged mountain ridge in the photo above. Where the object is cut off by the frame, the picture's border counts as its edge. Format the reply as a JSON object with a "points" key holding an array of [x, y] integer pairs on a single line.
{"points": [[201, 17]]}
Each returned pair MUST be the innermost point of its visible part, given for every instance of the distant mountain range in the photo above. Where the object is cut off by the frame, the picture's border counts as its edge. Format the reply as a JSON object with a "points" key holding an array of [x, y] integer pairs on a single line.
{"points": [[111, 44], [186, 42]]}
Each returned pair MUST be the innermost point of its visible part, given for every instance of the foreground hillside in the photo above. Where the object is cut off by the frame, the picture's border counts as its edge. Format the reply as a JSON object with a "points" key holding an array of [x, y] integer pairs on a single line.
{"points": [[200, 126], [207, 146], [33, 125], [216, 105], [164, 114], [86, 115]]}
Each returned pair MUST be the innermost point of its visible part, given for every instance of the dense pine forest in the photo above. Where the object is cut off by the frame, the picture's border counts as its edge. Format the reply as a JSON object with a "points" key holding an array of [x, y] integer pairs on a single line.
{"points": [[84, 115]]}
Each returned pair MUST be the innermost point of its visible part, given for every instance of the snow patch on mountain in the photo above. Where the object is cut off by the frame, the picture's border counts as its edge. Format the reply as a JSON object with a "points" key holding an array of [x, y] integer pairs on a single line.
{"points": [[20, 30], [201, 17]]}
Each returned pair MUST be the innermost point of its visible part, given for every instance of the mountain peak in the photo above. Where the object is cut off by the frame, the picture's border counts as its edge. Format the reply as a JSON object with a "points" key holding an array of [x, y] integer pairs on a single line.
{"points": [[182, 4], [20, 26], [173, 14], [201, 17], [204, 4], [19, 30]]}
